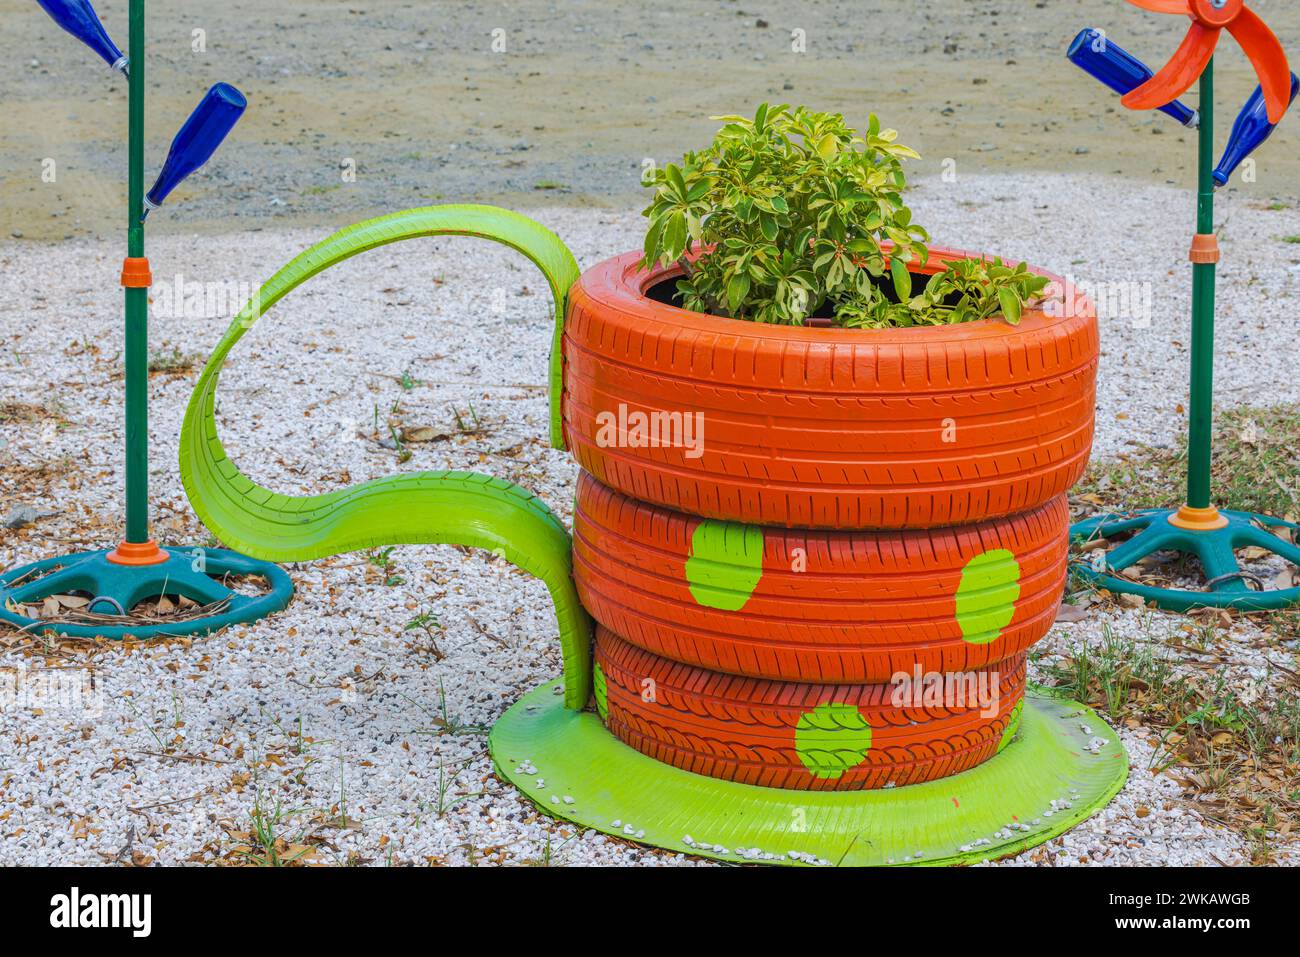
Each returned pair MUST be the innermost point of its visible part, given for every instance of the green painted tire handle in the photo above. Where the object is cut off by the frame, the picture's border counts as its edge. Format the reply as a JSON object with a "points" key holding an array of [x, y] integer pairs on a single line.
{"points": [[453, 508]]}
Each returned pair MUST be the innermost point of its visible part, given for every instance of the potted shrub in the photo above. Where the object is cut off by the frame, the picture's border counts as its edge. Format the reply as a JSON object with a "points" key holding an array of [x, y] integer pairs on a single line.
{"points": [[802, 483], [788, 349]]}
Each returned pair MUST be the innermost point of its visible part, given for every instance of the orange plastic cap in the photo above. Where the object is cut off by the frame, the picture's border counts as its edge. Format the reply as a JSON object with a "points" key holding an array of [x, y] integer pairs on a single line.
{"points": [[1198, 519], [138, 554], [136, 274], [1205, 249], [1207, 13]]}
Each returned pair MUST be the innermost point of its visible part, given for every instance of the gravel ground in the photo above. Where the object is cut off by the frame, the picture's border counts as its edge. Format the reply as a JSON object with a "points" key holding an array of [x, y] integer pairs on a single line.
{"points": [[348, 733]]}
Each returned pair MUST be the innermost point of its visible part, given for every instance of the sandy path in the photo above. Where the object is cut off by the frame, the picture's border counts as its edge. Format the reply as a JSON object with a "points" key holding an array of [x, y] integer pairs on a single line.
{"points": [[583, 93]]}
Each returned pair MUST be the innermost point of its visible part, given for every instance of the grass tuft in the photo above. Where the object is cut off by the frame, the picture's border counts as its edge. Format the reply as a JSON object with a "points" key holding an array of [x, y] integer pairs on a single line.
{"points": [[1237, 750], [174, 362], [1256, 468]]}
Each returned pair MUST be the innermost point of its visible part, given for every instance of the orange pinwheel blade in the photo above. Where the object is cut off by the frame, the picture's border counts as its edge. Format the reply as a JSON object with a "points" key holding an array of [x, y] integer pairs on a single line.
{"points": [[1269, 59], [1164, 6], [1179, 73]]}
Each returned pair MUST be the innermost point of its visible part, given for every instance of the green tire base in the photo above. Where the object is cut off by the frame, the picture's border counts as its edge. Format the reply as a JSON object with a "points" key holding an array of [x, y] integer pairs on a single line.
{"points": [[1043, 783]]}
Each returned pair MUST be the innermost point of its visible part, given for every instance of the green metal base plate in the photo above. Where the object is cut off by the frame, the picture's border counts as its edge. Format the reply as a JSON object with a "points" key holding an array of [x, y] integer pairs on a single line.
{"points": [[195, 573], [1226, 584], [1064, 765]]}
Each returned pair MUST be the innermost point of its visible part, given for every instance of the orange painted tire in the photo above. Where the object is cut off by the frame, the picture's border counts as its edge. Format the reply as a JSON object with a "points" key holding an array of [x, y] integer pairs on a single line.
{"points": [[802, 736], [819, 428], [817, 606]]}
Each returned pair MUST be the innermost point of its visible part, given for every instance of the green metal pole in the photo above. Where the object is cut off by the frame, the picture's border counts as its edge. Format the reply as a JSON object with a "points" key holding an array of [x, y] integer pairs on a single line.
{"points": [[137, 304], [1200, 434]]}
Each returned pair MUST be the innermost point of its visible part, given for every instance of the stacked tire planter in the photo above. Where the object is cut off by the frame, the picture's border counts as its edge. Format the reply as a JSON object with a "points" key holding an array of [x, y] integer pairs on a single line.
{"points": [[775, 526], [851, 505], [817, 560]]}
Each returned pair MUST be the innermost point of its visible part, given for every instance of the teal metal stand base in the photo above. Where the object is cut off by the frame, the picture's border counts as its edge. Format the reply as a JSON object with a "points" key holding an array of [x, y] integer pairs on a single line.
{"points": [[1227, 586], [197, 574]]}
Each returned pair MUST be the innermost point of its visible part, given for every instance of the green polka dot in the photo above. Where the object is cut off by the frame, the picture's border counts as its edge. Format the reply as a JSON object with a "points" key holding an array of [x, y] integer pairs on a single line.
{"points": [[1013, 726], [831, 739], [725, 565], [598, 688], [987, 595]]}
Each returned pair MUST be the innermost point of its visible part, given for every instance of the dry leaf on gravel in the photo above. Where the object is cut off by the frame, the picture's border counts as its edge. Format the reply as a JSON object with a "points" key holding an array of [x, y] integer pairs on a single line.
{"points": [[1069, 614], [1287, 578], [425, 433]]}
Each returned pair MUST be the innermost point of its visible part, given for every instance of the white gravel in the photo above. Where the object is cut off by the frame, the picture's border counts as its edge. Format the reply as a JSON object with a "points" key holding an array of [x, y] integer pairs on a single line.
{"points": [[333, 714]]}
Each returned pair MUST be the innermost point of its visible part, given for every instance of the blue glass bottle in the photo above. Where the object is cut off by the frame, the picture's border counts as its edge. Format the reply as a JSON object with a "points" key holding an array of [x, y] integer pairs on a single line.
{"points": [[1249, 131], [1104, 59], [214, 117], [79, 18]]}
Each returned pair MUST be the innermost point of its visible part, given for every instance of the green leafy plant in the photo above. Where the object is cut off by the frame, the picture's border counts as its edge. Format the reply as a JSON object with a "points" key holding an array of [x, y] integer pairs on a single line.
{"points": [[798, 216], [966, 290]]}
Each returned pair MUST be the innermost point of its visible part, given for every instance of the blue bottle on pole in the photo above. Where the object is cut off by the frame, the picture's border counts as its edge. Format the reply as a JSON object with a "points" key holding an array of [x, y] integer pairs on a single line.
{"points": [[1250, 130], [214, 117], [79, 18], [1102, 58]]}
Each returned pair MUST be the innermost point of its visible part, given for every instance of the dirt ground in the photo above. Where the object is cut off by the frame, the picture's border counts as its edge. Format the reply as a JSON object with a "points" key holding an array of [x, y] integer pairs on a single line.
{"points": [[413, 96]]}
